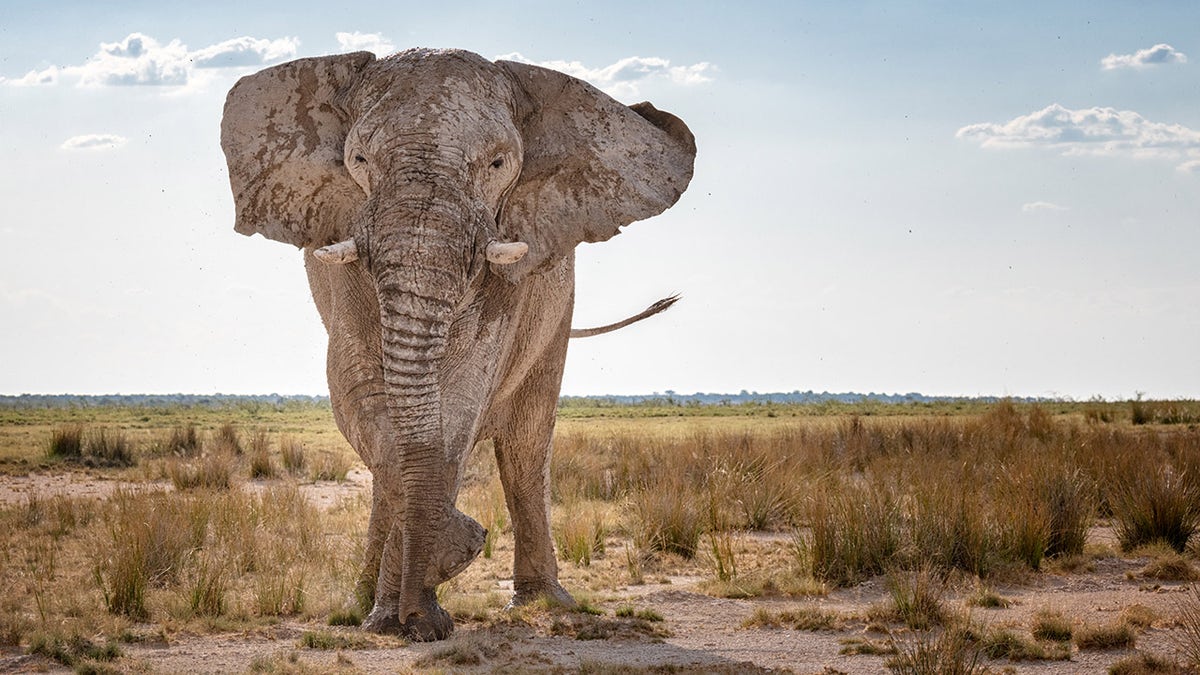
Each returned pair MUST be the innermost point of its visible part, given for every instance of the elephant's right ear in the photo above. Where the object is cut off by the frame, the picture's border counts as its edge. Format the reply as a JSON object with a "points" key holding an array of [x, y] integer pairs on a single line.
{"points": [[283, 134]]}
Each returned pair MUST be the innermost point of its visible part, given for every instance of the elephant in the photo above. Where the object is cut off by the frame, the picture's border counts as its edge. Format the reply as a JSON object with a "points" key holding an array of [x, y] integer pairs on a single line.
{"points": [[438, 198]]}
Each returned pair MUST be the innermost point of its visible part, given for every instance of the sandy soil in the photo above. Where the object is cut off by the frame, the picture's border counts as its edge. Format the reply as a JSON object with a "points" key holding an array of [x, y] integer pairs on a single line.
{"points": [[704, 633]]}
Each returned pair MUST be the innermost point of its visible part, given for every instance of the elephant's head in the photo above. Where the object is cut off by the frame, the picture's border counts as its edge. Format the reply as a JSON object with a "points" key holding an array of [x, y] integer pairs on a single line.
{"points": [[437, 167], [440, 171]]}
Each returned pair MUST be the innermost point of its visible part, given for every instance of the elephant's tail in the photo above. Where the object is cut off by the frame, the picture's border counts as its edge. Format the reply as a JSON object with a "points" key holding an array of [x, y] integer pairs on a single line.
{"points": [[650, 311]]}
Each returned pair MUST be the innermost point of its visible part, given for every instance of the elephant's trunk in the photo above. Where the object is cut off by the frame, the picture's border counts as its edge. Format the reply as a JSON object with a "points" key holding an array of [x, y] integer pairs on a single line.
{"points": [[420, 268]]}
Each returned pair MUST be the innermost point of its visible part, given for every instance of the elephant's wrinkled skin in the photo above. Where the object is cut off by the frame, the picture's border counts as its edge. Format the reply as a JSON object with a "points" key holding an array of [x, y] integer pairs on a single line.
{"points": [[408, 181]]}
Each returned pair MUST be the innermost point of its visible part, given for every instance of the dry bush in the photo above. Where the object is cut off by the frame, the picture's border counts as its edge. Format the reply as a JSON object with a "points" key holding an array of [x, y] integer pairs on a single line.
{"points": [[149, 536], [208, 585], [66, 442], [331, 466], [1170, 566], [950, 652], [1006, 643], [93, 447], [104, 447], [226, 440], [1146, 664], [952, 527], [918, 597], [855, 532], [988, 599], [1112, 635], [261, 465], [184, 440], [1186, 637], [1051, 625], [580, 532], [291, 453], [213, 471], [1154, 502], [667, 515]]}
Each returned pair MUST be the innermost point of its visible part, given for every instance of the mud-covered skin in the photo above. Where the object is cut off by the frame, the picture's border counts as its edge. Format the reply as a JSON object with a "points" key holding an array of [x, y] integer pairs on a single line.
{"points": [[413, 165]]}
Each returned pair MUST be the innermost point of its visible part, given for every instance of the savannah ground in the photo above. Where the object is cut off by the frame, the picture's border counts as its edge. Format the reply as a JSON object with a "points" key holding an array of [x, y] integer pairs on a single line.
{"points": [[812, 538]]}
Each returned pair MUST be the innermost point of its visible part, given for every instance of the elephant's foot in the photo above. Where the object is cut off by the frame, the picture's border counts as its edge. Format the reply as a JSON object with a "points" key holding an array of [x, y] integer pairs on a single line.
{"points": [[459, 544], [428, 623], [382, 621], [528, 592], [432, 623]]}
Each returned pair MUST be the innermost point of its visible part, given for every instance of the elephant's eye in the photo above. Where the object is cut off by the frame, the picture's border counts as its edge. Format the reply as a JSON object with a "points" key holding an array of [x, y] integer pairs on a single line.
{"points": [[497, 163], [360, 159]]}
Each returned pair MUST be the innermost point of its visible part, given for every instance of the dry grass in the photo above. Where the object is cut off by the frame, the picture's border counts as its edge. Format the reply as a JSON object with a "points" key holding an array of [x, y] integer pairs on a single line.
{"points": [[1187, 620], [1052, 626], [649, 499], [1112, 635]]}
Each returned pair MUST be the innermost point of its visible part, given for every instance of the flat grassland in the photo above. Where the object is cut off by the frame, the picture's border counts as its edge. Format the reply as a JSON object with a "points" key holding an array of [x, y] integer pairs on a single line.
{"points": [[855, 538]]}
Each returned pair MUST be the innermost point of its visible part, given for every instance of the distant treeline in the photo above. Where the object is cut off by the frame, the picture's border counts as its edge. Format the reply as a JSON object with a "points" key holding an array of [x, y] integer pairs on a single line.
{"points": [[669, 398], [159, 400]]}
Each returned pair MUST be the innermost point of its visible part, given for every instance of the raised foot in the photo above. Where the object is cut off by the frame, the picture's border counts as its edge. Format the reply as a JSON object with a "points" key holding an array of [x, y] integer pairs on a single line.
{"points": [[459, 544]]}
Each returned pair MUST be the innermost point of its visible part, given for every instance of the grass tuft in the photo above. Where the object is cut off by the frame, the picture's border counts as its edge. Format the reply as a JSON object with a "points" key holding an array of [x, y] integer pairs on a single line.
{"points": [[1152, 503], [917, 597], [1186, 637], [1113, 635], [1051, 625], [951, 652], [66, 442]]}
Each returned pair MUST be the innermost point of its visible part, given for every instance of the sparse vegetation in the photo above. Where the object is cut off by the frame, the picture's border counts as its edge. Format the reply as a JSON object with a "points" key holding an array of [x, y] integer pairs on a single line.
{"points": [[1187, 619], [1051, 625], [1154, 503], [1111, 635], [753, 504]]}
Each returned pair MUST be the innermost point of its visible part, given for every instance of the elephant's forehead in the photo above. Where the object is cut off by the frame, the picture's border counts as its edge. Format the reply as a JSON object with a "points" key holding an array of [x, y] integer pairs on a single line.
{"points": [[435, 81]]}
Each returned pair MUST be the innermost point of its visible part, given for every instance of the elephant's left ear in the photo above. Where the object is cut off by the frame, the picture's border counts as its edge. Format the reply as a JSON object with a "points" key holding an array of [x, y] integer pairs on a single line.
{"points": [[592, 165]]}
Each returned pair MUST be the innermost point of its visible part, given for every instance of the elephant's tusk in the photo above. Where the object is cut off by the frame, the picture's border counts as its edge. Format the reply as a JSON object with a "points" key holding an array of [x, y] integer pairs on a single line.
{"points": [[338, 254], [506, 253]]}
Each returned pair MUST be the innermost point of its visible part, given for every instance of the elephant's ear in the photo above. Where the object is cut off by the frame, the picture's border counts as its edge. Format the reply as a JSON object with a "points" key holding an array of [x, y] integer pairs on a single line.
{"points": [[283, 133], [592, 165]]}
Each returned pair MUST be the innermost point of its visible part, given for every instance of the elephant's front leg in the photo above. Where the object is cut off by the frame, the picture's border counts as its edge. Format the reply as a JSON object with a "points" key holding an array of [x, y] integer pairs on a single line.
{"points": [[459, 541], [523, 455]]}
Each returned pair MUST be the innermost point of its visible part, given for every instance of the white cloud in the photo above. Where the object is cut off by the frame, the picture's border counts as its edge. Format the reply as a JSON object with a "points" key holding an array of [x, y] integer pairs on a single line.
{"points": [[623, 77], [1190, 166], [136, 60], [245, 51], [370, 42], [1144, 58], [1034, 207], [94, 142], [33, 78], [1089, 131], [142, 60]]}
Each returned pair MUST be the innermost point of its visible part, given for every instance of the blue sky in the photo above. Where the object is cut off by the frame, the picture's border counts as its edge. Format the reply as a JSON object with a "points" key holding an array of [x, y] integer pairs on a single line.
{"points": [[891, 197]]}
